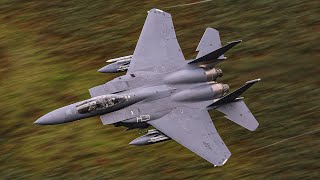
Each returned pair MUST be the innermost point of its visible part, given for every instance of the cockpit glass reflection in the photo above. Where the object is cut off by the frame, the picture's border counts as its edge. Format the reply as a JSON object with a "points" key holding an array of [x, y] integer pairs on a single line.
{"points": [[100, 103]]}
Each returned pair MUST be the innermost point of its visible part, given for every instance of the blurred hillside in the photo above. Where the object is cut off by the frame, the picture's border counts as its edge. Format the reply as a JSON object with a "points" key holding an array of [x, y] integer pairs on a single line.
{"points": [[50, 52]]}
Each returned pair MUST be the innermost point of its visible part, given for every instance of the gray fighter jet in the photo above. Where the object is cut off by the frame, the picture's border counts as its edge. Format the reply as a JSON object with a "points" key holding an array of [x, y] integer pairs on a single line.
{"points": [[163, 90]]}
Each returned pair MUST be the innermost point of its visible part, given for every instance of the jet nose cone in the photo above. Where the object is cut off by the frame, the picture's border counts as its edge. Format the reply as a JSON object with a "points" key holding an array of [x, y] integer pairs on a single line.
{"points": [[55, 117], [44, 120]]}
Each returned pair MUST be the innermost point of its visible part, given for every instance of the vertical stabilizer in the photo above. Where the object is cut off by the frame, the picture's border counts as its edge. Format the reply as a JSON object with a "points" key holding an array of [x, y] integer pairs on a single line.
{"points": [[210, 42]]}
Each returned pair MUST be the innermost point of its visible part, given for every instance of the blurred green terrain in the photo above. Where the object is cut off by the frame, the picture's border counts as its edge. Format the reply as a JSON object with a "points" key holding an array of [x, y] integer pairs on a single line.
{"points": [[50, 52]]}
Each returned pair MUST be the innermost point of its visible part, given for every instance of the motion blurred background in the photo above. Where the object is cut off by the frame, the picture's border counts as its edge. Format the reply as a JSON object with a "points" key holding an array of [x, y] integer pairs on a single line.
{"points": [[50, 52]]}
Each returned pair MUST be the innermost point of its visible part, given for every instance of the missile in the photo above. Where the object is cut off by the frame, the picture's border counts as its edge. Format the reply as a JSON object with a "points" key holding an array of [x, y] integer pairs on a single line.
{"points": [[124, 58], [153, 136]]}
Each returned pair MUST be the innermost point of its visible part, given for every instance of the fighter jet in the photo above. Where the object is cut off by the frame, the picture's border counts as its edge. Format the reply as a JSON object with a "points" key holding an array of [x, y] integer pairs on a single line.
{"points": [[163, 90]]}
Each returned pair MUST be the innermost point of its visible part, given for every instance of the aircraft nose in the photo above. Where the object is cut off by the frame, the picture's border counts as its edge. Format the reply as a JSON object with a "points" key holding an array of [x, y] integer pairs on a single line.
{"points": [[54, 117]]}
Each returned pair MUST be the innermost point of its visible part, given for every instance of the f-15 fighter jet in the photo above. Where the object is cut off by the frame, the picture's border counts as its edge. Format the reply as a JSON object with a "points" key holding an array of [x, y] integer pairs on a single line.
{"points": [[163, 90]]}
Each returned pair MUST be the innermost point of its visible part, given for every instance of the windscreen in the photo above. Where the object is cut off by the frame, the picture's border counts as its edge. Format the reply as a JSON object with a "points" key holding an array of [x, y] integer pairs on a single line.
{"points": [[100, 103]]}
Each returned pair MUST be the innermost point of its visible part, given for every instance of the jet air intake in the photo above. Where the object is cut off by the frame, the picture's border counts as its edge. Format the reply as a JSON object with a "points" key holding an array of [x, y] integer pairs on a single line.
{"points": [[193, 76], [202, 93]]}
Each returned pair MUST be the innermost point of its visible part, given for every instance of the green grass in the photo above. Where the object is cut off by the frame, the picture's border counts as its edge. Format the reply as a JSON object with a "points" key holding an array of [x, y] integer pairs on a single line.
{"points": [[49, 54]]}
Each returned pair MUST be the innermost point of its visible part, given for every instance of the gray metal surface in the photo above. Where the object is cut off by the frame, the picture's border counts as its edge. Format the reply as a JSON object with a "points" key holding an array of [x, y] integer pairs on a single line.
{"points": [[157, 49], [209, 42], [234, 95], [194, 129], [163, 90], [239, 113]]}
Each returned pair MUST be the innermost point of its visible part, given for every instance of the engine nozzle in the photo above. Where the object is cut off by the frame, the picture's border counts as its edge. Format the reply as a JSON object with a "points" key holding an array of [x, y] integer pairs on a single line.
{"points": [[220, 89], [213, 73]]}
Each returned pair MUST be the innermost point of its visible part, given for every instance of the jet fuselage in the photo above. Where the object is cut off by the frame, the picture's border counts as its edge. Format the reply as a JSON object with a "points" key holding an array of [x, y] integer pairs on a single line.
{"points": [[105, 104]]}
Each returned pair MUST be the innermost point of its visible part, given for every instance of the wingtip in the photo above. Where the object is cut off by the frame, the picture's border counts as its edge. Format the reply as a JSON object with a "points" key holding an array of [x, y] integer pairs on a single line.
{"points": [[224, 161], [156, 10], [253, 81], [159, 11], [236, 41], [211, 29]]}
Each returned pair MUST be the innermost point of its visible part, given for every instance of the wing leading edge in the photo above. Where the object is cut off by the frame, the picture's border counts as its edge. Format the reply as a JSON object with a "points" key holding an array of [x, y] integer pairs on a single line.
{"points": [[194, 129]]}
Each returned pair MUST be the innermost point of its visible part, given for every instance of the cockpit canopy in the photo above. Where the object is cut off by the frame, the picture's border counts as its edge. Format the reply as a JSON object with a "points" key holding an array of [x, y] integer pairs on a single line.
{"points": [[100, 103]]}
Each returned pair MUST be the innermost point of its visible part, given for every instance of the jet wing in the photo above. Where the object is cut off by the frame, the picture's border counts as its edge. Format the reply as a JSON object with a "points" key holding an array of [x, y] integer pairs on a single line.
{"points": [[157, 49], [194, 129]]}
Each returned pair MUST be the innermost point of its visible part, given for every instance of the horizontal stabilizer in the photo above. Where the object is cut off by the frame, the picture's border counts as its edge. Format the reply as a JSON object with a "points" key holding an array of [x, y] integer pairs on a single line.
{"points": [[234, 95], [239, 113], [213, 56]]}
